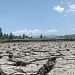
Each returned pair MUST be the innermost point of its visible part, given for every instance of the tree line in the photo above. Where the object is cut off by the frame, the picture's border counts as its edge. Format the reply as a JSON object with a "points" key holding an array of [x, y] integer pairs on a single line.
{"points": [[11, 36]]}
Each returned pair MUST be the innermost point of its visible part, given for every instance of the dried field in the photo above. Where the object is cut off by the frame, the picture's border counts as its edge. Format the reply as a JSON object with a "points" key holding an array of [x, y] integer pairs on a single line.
{"points": [[37, 58]]}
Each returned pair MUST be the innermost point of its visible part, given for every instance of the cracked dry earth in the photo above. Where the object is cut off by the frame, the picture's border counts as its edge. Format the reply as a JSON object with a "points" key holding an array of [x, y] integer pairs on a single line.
{"points": [[37, 58]]}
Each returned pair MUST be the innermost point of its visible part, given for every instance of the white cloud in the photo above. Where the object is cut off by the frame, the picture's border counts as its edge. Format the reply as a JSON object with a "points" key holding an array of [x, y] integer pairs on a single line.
{"points": [[51, 31], [34, 31], [27, 32], [71, 8], [58, 9]]}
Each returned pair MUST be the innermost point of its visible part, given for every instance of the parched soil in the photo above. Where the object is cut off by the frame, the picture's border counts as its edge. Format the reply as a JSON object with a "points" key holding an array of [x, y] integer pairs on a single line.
{"points": [[37, 58]]}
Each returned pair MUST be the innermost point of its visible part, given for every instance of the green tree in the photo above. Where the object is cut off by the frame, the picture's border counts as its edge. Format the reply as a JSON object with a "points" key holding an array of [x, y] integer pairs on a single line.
{"points": [[11, 36], [41, 36], [1, 32], [23, 36], [7, 36]]}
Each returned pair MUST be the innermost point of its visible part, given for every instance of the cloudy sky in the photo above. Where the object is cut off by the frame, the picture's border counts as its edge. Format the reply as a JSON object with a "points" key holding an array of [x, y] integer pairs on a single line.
{"points": [[37, 16]]}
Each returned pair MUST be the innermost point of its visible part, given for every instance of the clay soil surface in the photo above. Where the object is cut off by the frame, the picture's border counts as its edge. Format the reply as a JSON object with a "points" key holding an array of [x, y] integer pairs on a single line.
{"points": [[37, 58]]}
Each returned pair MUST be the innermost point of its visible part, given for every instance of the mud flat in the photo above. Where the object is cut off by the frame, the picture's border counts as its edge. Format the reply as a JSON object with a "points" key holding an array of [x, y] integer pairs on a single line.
{"points": [[37, 58]]}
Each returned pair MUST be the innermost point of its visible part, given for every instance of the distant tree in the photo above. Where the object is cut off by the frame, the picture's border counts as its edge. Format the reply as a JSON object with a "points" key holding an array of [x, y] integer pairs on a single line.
{"points": [[60, 36], [23, 36], [19, 37], [4, 36], [41, 36], [7, 36], [44, 37], [26, 36], [1, 32], [11, 36]]}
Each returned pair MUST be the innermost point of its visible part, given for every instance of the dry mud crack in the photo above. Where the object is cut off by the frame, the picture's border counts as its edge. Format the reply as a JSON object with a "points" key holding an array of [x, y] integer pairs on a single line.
{"points": [[37, 58]]}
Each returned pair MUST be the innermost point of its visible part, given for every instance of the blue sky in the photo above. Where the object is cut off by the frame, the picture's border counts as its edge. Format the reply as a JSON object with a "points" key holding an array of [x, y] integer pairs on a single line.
{"points": [[37, 16]]}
